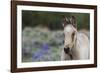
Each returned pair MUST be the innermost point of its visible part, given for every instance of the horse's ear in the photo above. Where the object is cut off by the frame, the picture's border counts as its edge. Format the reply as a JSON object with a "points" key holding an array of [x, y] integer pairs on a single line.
{"points": [[73, 21], [65, 21]]}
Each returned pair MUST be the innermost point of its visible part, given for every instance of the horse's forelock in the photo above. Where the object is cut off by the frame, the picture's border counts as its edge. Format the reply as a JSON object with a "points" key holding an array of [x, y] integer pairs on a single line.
{"points": [[68, 20]]}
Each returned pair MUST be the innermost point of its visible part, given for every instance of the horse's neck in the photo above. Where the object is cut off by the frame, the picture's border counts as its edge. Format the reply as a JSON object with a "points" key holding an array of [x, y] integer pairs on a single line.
{"points": [[82, 39], [80, 46]]}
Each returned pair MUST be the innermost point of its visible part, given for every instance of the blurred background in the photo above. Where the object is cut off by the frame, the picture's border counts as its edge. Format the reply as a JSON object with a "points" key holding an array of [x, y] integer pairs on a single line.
{"points": [[42, 34]]}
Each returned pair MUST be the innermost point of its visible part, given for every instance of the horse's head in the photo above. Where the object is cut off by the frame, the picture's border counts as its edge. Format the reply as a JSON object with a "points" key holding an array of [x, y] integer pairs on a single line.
{"points": [[70, 30]]}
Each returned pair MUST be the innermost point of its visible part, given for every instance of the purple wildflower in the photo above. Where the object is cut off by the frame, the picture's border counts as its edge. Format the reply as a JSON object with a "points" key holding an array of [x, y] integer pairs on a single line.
{"points": [[41, 52]]}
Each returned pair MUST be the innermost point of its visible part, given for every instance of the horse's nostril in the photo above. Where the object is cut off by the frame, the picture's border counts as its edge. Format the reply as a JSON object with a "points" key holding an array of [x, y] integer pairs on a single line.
{"points": [[66, 50]]}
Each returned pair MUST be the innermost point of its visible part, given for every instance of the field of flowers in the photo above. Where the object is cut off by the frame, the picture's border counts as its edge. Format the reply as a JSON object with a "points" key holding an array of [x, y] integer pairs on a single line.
{"points": [[39, 44]]}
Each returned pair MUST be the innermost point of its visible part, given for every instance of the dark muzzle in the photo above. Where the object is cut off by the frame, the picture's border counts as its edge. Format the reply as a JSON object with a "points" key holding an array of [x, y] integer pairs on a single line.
{"points": [[67, 50]]}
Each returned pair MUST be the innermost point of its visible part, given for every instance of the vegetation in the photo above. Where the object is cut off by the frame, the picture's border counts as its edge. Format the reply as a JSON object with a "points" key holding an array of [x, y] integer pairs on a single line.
{"points": [[53, 20]]}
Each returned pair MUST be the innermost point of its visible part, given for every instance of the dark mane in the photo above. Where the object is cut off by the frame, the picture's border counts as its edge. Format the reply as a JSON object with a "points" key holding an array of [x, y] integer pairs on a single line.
{"points": [[69, 20]]}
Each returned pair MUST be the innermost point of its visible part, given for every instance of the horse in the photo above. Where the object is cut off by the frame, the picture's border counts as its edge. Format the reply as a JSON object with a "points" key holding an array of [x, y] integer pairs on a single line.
{"points": [[76, 43]]}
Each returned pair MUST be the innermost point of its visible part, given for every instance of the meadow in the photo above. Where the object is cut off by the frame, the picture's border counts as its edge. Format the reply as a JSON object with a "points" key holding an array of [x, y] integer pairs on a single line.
{"points": [[42, 34]]}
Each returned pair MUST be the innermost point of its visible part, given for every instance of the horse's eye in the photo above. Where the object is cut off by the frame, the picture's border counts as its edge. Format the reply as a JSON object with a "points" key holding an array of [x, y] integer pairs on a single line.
{"points": [[73, 34]]}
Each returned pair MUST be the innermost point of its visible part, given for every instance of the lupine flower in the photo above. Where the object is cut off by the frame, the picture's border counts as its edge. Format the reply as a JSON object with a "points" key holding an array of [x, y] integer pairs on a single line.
{"points": [[38, 55]]}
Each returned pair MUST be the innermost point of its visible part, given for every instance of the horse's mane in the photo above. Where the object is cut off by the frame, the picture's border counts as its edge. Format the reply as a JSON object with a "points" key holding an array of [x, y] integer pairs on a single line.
{"points": [[82, 42]]}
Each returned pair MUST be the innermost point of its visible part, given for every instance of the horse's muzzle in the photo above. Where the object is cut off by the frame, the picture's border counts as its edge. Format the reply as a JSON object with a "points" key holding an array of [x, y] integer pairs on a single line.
{"points": [[67, 50]]}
